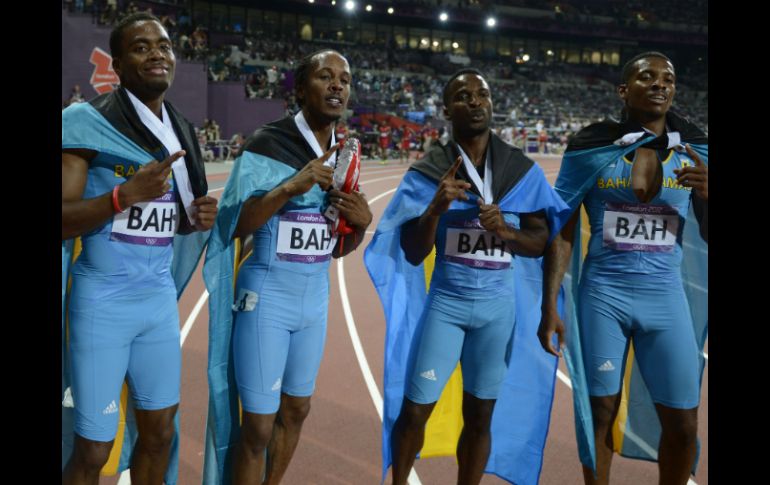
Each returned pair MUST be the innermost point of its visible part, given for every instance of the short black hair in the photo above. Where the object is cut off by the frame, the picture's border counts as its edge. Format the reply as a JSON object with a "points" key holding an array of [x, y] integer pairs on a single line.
{"points": [[628, 67], [304, 66], [116, 36], [465, 70]]}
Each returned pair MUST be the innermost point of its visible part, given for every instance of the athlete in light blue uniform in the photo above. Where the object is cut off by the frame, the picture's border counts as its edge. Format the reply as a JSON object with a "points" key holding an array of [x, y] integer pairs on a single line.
{"points": [[470, 310], [480, 231], [122, 313], [631, 284], [278, 312], [281, 304], [637, 180]]}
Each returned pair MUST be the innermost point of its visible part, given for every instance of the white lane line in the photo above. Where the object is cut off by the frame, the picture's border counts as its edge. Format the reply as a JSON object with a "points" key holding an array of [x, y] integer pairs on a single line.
{"points": [[193, 316], [383, 195], [365, 170], [371, 385], [362, 181], [363, 363], [697, 287]]}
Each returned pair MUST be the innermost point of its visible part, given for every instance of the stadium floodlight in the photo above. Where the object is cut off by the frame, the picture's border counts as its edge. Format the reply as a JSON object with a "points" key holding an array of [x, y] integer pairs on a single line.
{"points": [[390, 10], [443, 16], [491, 22], [368, 8], [350, 5], [455, 45]]}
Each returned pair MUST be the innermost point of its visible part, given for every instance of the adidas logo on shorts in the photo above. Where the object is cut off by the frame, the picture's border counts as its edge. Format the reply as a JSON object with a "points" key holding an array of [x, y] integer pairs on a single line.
{"points": [[429, 374], [277, 385], [607, 366], [111, 408]]}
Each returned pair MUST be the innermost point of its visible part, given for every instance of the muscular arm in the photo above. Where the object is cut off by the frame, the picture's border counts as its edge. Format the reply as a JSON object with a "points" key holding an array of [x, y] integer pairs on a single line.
{"points": [[554, 266], [555, 262], [530, 240], [257, 210], [418, 237], [80, 216]]}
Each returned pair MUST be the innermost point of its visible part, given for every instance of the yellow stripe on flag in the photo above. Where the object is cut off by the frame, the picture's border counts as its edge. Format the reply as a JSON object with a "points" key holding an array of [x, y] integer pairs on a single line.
{"points": [[619, 426], [585, 231], [111, 467], [446, 421], [238, 262], [77, 247], [428, 264]]}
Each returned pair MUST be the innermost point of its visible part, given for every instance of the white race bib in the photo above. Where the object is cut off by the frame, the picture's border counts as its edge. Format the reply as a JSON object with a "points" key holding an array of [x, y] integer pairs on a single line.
{"points": [[468, 243], [150, 223], [304, 237], [640, 227]]}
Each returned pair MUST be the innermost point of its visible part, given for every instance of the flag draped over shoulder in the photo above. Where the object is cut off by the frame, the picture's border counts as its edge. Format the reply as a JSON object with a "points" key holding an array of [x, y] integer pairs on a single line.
{"points": [[270, 157], [636, 430], [522, 413], [109, 125]]}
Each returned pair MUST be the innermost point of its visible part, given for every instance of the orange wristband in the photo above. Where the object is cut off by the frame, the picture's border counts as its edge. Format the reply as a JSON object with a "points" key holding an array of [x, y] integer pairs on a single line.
{"points": [[115, 202]]}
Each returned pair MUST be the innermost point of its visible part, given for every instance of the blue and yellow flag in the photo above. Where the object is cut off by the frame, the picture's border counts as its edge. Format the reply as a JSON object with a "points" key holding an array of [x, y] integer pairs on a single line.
{"points": [[636, 431], [110, 126], [522, 413]]}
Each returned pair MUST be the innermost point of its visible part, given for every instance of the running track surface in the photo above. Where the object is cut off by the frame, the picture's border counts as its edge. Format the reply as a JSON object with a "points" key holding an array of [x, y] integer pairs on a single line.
{"points": [[340, 441]]}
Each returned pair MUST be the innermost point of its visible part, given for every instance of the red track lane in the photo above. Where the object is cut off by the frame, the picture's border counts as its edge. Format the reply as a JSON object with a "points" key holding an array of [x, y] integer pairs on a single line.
{"points": [[341, 438]]}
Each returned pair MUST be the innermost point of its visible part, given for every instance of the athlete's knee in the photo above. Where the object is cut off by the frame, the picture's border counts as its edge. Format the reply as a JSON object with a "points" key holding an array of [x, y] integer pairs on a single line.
{"points": [[91, 455], [415, 416], [603, 410], [294, 410], [477, 415], [680, 426], [158, 439], [156, 429], [256, 433]]}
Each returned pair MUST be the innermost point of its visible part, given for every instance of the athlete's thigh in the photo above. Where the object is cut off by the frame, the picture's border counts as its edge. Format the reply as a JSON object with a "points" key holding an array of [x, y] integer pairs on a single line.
{"points": [[100, 336], [486, 347], [154, 370], [260, 349], [439, 346], [665, 345], [604, 335]]}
